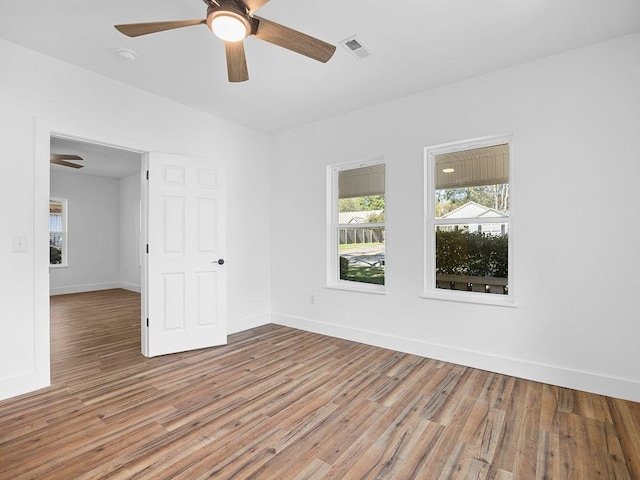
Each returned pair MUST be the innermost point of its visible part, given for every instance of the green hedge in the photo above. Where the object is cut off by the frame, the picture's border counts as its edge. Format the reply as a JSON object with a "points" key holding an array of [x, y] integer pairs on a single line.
{"points": [[55, 255], [475, 254]]}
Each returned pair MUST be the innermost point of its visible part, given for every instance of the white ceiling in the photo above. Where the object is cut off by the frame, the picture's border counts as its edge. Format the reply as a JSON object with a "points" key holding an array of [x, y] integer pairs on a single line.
{"points": [[416, 45], [97, 159]]}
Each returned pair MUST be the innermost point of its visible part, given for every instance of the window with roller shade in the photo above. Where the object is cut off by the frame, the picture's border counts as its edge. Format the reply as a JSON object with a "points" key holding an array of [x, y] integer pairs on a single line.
{"points": [[58, 232], [468, 214], [357, 230]]}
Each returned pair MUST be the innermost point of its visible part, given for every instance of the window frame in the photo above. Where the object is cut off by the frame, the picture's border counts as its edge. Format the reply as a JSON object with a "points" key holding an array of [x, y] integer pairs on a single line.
{"points": [[429, 289], [333, 230], [64, 233]]}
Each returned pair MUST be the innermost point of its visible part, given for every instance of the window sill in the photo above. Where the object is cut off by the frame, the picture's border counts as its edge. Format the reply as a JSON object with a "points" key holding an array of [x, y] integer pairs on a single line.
{"points": [[471, 297], [355, 287], [59, 265]]}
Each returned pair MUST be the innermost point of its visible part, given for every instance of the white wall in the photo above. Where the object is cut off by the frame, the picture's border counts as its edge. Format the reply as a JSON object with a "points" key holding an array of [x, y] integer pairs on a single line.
{"points": [[93, 241], [575, 120], [33, 85], [104, 233], [129, 268]]}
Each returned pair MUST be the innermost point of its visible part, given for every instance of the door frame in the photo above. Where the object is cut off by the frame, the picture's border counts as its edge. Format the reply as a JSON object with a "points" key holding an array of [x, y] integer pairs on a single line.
{"points": [[45, 128]]}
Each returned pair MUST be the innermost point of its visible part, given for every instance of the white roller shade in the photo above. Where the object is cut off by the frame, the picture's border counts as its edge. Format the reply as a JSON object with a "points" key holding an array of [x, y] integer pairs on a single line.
{"points": [[475, 167], [361, 182]]}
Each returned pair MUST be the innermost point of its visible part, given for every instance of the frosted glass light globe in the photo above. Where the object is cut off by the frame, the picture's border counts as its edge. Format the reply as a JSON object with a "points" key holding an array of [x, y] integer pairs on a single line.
{"points": [[229, 28]]}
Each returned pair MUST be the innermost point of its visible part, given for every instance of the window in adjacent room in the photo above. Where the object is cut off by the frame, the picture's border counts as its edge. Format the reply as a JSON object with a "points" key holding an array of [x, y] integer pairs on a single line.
{"points": [[58, 232], [468, 221], [357, 226]]}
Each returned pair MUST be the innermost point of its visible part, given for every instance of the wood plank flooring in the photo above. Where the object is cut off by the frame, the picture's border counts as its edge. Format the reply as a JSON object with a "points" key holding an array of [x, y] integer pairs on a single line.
{"points": [[278, 404]]}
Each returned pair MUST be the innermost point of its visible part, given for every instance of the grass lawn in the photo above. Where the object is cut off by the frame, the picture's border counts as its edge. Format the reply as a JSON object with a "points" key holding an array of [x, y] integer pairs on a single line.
{"points": [[355, 246], [365, 274]]}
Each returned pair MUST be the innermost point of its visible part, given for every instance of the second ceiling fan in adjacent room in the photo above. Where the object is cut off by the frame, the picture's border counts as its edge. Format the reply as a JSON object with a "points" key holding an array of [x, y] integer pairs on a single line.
{"points": [[63, 159]]}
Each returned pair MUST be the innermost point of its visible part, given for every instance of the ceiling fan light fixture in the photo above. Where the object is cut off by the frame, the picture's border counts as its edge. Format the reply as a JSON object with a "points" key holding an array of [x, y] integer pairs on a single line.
{"points": [[233, 21], [229, 26]]}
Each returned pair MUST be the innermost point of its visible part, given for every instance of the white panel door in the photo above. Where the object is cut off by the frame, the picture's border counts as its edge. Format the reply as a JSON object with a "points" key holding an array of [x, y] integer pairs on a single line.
{"points": [[186, 283]]}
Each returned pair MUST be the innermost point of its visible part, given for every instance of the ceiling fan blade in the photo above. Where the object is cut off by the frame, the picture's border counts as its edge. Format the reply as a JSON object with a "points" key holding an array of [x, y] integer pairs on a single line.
{"points": [[254, 4], [64, 156], [236, 62], [137, 29], [293, 40], [66, 164]]}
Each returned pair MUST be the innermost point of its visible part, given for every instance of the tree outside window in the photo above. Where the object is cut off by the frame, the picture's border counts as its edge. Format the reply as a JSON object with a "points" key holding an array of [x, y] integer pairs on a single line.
{"points": [[357, 236], [469, 219]]}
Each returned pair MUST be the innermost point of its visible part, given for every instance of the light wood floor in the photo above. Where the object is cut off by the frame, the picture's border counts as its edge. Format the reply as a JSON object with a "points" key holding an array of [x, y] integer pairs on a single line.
{"points": [[278, 403]]}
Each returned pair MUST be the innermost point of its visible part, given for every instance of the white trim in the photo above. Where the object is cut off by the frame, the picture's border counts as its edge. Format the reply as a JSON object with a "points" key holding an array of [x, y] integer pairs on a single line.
{"points": [[39, 376], [369, 162], [130, 286], [242, 324], [89, 287], [476, 298], [93, 287], [45, 128], [333, 225], [623, 388], [471, 144], [429, 280], [359, 287], [144, 264]]}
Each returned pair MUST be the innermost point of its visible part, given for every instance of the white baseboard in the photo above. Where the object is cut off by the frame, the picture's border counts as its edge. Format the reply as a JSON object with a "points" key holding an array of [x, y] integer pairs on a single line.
{"points": [[130, 286], [92, 287], [24, 383], [579, 380], [247, 323]]}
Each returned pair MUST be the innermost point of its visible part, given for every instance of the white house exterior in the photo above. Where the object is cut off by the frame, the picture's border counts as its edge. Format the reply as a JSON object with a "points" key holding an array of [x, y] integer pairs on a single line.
{"points": [[471, 210]]}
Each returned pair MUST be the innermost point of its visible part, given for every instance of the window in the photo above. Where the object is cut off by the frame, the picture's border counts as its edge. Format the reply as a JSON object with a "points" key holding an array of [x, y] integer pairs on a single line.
{"points": [[58, 232], [357, 226], [468, 221]]}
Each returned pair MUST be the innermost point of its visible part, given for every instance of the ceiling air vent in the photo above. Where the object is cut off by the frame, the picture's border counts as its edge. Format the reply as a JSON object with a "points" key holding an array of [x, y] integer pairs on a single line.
{"points": [[355, 47]]}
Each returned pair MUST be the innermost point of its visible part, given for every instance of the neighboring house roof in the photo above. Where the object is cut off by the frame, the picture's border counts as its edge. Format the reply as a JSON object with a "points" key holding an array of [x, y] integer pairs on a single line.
{"points": [[475, 210], [356, 217]]}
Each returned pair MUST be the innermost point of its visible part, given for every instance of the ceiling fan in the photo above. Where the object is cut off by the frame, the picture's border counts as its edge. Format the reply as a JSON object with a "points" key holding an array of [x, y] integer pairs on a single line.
{"points": [[61, 159], [233, 21]]}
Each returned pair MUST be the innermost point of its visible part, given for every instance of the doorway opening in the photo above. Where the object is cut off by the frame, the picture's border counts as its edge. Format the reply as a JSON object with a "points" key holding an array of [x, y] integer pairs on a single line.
{"points": [[183, 208], [99, 232]]}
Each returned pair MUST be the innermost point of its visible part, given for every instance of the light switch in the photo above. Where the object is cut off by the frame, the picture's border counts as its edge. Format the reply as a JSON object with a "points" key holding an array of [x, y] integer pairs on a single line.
{"points": [[19, 244]]}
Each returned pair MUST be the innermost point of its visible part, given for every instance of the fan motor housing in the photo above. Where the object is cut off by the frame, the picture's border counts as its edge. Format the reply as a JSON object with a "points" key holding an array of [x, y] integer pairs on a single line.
{"points": [[229, 9]]}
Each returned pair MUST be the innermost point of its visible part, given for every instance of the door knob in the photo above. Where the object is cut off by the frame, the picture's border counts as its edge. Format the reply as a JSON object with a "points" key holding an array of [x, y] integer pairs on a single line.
{"points": [[220, 261]]}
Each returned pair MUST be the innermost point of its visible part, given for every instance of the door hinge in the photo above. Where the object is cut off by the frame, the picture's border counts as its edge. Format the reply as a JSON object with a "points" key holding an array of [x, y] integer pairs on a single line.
{"points": [[147, 174], [147, 322], [147, 248]]}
